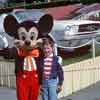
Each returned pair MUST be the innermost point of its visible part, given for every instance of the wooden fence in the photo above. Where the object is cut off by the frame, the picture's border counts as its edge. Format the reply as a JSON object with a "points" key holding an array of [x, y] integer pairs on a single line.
{"points": [[80, 75], [77, 76], [7, 76]]}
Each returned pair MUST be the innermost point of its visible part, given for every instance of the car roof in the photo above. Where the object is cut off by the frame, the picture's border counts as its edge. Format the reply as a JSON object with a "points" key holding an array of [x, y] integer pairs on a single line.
{"points": [[75, 22], [24, 10]]}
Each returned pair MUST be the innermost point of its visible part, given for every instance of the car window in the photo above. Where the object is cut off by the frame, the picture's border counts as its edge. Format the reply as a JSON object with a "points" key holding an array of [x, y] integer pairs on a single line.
{"points": [[21, 16], [89, 27], [32, 15]]}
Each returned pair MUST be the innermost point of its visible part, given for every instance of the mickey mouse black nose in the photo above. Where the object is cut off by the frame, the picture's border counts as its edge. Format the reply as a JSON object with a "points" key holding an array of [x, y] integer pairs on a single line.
{"points": [[27, 42]]}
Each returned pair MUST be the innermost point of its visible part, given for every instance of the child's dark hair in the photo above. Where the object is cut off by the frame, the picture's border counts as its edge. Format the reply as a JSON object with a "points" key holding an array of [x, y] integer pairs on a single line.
{"points": [[48, 40]]}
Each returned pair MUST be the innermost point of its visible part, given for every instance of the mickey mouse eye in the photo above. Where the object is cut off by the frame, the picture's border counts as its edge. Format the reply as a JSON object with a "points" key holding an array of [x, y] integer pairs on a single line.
{"points": [[32, 37], [23, 38]]}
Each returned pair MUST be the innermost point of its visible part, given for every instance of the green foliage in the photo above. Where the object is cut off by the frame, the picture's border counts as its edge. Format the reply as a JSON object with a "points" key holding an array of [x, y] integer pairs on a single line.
{"points": [[88, 1], [44, 3], [79, 58]]}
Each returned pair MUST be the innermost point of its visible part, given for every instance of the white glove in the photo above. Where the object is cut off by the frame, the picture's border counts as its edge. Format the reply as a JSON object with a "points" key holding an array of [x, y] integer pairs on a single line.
{"points": [[59, 60]]}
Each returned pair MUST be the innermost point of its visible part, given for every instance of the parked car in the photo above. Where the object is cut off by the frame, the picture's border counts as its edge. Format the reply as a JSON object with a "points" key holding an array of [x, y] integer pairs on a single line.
{"points": [[71, 35]]}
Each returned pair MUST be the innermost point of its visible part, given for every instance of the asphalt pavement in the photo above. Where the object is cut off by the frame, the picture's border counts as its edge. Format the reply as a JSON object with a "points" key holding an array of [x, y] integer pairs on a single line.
{"points": [[90, 93], [7, 94]]}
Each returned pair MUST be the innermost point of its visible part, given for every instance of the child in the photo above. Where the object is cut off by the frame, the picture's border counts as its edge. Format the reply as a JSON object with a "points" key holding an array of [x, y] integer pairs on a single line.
{"points": [[50, 71]]}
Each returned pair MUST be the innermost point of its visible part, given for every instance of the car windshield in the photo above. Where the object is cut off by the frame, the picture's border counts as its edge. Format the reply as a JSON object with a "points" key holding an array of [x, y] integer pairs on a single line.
{"points": [[28, 14]]}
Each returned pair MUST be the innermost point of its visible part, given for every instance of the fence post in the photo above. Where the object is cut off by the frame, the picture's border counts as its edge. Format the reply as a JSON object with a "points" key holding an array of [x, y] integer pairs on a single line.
{"points": [[1, 76]]}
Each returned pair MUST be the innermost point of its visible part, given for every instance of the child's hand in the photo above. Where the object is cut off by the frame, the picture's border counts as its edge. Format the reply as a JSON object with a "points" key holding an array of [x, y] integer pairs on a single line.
{"points": [[41, 88], [59, 88]]}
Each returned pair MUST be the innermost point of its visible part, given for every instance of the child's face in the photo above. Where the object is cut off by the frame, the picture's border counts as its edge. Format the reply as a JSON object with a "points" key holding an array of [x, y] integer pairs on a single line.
{"points": [[47, 49]]}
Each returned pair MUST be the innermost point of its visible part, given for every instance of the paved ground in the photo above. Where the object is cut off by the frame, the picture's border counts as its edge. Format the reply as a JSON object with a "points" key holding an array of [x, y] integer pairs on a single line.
{"points": [[7, 94], [91, 93]]}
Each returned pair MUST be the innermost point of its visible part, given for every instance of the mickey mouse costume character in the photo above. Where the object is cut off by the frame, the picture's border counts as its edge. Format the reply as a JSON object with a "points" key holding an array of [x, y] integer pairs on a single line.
{"points": [[28, 37]]}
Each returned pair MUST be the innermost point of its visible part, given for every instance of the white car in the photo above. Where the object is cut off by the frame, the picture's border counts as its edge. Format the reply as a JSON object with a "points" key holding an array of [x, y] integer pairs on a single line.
{"points": [[71, 34]]}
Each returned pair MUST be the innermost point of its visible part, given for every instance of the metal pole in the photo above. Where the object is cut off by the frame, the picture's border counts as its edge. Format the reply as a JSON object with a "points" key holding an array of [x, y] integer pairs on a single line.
{"points": [[93, 49]]}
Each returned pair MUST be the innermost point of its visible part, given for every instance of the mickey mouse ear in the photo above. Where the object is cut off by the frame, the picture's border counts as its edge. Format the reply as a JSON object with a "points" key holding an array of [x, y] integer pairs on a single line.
{"points": [[10, 25], [52, 38], [49, 37], [45, 24]]}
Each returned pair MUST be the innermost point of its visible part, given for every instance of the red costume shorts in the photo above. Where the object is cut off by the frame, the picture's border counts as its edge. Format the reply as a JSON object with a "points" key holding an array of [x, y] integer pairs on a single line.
{"points": [[27, 85]]}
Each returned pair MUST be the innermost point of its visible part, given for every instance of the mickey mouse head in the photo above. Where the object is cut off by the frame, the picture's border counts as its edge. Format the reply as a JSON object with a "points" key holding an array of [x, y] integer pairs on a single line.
{"points": [[28, 34]]}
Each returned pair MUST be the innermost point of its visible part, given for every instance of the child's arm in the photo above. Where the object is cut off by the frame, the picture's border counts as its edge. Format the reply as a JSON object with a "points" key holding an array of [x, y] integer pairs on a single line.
{"points": [[60, 74], [60, 71]]}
